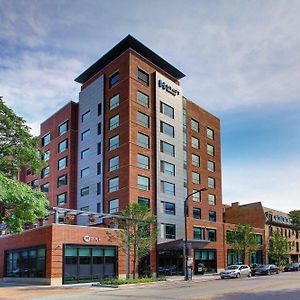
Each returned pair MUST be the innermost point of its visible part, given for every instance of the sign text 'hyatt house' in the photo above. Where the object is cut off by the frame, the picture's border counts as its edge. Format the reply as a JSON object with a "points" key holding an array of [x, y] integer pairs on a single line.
{"points": [[168, 88]]}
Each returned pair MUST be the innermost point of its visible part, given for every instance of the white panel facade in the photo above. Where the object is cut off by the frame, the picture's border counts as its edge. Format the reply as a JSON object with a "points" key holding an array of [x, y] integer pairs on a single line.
{"points": [[172, 96], [89, 99]]}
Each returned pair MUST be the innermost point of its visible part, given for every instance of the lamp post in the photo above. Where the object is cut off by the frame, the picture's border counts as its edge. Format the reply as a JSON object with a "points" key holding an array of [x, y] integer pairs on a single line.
{"points": [[185, 230]]}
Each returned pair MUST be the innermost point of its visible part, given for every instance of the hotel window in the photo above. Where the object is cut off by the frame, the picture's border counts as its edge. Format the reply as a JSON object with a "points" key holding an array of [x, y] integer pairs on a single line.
{"points": [[114, 142], [45, 172], [86, 116], [167, 168], [195, 178], [85, 134], [143, 77], [211, 182], [212, 216], [46, 140], [114, 122], [144, 201], [143, 183], [46, 155], [166, 129], [211, 234], [143, 119], [195, 160], [98, 168], [195, 125], [210, 166], [210, 133], [84, 172], [85, 191], [211, 199], [169, 208], [114, 102], [98, 188], [143, 161], [85, 153], [99, 148], [113, 184], [45, 188], [143, 140], [195, 143], [114, 206], [62, 180], [168, 188], [114, 79], [197, 213], [167, 148], [142, 99], [196, 196], [63, 128], [62, 163], [210, 150], [99, 128], [170, 231], [99, 109], [167, 110], [198, 233], [62, 146], [62, 199], [113, 163]]}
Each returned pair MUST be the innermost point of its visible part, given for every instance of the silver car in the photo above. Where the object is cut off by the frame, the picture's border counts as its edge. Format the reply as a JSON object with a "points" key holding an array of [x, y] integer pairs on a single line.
{"points": [[236, 271]]}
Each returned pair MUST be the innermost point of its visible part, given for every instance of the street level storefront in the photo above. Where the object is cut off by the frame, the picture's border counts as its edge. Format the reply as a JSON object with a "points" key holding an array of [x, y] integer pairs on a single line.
{"points": [[58, 254]]}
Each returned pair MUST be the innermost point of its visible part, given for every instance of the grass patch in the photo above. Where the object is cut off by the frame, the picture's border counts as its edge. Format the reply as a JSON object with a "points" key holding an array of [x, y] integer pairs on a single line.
{"points": [[119, 281]]}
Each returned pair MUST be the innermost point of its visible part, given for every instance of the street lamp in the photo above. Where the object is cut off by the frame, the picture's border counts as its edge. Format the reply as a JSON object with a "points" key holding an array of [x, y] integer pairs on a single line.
{"points": [[185, 230]]}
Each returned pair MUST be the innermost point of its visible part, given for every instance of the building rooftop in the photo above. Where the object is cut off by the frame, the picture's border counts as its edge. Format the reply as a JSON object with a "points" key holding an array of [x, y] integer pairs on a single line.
{"points": [[129, 42]]}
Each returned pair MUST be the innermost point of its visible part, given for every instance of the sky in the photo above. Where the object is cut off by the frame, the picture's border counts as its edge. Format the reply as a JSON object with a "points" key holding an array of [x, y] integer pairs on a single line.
{"points": [[241, 60]]}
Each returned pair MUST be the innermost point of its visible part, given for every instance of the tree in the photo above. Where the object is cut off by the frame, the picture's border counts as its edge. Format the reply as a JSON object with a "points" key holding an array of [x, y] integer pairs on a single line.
{"points": [[279, 248], [243, 240], [19, 204], [138, 231], [295, 215]]}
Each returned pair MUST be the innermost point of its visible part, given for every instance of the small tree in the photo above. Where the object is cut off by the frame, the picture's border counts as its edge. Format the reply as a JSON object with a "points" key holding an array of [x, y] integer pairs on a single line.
{"points": [[279, 248], [243, 240], [295, 215], [138, 232]]}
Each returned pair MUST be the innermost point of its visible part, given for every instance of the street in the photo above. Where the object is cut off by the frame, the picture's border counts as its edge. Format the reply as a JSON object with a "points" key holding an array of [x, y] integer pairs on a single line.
{"points": [[284, 285]]}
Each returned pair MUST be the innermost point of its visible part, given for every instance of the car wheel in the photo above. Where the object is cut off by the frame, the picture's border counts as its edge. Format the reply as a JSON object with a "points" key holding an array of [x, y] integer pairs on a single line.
{"points": [[277, 271], [238, 275], [269, 272], [222, 277], [249, 275]]}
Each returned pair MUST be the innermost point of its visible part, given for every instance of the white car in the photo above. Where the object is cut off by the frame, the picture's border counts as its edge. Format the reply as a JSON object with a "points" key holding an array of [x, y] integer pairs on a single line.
{"points": [[236, 271]]}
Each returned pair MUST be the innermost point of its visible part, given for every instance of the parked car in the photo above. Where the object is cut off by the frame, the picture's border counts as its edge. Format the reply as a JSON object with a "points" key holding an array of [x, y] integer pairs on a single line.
{"points": [[236, 271], [295, 266], [254, 268], [267, 270]]}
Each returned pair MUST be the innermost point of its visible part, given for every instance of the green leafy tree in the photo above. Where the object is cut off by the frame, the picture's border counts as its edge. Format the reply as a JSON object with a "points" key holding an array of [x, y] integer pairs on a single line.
{"points": [[295, 215], [19, 204], [138, 233], [279, 248], [243, 240]]}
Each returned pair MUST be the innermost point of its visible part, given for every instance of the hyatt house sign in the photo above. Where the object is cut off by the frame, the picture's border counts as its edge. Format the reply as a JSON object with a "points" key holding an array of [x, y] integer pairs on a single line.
{"points": [[168, 88]]}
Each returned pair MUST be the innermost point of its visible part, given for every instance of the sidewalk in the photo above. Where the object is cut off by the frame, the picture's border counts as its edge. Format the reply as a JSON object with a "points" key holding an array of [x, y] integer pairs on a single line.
{"points": [[205, 277]]}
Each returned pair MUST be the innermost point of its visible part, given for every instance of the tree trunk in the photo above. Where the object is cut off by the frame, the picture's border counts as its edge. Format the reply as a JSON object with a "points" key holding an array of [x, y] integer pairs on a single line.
{"points": [[134, 261]]}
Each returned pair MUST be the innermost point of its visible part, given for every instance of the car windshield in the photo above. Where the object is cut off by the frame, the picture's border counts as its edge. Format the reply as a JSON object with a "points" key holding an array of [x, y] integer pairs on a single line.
{"points": [[264, 266], [234, 267]]}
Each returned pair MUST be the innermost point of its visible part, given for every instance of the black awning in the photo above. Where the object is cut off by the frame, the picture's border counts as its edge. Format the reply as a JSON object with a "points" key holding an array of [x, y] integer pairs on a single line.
{"points": [[179, 244]]}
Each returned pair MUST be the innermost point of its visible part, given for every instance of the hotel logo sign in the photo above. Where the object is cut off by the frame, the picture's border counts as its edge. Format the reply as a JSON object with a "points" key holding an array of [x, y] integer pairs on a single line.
{"points": [[163, 85], [89, 239]]}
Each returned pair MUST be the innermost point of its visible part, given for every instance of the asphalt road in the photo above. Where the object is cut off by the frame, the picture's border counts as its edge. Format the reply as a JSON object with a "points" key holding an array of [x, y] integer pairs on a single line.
{"points": [[283, 286]]}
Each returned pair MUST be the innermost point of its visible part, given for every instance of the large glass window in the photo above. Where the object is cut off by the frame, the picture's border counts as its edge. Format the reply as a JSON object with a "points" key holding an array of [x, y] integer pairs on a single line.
{"points": [[167, 148], [195, 143], [210, 166], [113, 206], [196, 196], [195, 178], [62, 199], [45, 188], [30, 262], [86, 116], [114, 122], [212, 216], [142, 99], [169, 208], [143, 183], [195, 160], [195, 125], [167, 168], [114, 79], [168, 188], [143, 161], [144, 201], [143, 119], [114, 101], [210, 150], [198, 233], [211, 182], [166, 129], [170, 231], [113, 163], [62, 180], [62, 163], [85, 153], [143, 77], [211, 234], [85, 172], [114, 142], [62, 146], [167, 110], [143, 140], [45, 172], [211, 199], [210, 133], [46, 155], [85, 135], [85, 191], [63, 128], [46, 140], [113, 184], [197, 213]]}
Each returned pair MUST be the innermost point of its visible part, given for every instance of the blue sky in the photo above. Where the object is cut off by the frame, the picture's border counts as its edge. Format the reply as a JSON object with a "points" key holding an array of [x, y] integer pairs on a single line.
{"points": [[241, 58]]}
